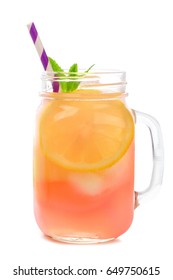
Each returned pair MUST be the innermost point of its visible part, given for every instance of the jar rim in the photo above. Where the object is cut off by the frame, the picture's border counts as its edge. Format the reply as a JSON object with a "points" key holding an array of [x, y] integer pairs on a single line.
{"points": [[117, 76], [105, 81]]}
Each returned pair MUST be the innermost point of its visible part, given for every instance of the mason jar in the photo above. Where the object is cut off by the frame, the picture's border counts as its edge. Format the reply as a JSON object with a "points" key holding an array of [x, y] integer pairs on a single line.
{"points": [[84, 150]]}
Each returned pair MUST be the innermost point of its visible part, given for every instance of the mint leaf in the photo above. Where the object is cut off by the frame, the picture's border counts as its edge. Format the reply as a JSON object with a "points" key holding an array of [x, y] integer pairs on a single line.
{"points": [[55, 66], [73, 68], [73, 71]]}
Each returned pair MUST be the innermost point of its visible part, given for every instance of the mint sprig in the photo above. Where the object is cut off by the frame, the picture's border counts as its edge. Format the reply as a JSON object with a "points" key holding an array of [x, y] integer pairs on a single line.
{"points": [[67, 86]]}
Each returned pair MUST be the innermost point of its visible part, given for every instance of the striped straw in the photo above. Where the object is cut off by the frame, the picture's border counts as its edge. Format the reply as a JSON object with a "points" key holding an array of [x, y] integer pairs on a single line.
{"points": [[41, 52]]}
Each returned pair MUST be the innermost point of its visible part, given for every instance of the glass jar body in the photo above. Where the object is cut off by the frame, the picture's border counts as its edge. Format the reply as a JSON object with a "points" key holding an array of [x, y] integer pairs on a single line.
{"points": [[83, 192]]}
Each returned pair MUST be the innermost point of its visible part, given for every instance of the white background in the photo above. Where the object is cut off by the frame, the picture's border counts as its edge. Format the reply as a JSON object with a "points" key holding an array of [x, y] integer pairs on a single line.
{"points": [[135, 36]]}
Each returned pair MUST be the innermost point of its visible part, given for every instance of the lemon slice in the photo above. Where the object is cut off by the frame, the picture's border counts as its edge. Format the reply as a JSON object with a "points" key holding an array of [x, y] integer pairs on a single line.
{"points": [[85, 135]]}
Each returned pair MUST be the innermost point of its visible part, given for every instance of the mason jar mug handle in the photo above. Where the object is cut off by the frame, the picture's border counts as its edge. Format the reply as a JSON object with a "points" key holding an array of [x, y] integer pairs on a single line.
{"points": [[158, 156]]}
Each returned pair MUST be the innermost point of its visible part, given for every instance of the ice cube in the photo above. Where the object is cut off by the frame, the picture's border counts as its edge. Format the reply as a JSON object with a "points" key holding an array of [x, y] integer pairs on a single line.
{"points": [[91, 184]]}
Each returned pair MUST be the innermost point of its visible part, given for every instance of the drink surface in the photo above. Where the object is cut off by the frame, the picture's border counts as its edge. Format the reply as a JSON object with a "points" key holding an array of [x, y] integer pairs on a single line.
{"points": [[84, 166]]}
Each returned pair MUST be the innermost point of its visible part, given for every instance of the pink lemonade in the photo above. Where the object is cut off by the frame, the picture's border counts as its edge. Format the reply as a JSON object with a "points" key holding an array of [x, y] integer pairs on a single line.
{"points": [[84, 167]]}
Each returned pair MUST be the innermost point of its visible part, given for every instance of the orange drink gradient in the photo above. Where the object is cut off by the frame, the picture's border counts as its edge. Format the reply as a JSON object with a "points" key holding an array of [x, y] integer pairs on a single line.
{"points": [[84, 167]]}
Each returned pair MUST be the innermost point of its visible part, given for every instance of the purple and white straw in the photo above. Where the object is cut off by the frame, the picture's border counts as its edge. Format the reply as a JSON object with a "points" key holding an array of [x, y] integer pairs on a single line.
{"points": [[39, 47], [41, 52]]}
